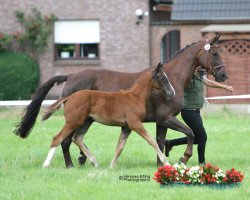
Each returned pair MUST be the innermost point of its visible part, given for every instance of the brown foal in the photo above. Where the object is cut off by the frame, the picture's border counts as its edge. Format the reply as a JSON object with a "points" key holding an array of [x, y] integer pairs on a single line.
{"points": [[126, 108]]}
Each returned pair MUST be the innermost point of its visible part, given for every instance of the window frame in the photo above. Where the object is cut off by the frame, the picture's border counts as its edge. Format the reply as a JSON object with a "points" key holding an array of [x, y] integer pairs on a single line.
{"points": [[77, 46], [77, 53]]}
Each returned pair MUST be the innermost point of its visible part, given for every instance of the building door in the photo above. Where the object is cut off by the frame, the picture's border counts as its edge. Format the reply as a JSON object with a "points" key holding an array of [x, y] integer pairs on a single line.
{"points": [[170, 44], [236, 56]]}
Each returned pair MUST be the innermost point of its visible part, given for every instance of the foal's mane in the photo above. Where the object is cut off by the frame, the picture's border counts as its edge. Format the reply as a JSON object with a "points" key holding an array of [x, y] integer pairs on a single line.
{"points": [[145, 73]]}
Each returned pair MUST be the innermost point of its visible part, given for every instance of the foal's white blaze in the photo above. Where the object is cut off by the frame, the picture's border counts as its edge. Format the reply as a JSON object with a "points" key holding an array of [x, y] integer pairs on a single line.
{"points": [[51, 153], [170, 84]]}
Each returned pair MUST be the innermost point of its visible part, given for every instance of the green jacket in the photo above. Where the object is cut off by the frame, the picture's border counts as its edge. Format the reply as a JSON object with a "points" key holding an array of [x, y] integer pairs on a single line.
{"points": [[193, 93]]}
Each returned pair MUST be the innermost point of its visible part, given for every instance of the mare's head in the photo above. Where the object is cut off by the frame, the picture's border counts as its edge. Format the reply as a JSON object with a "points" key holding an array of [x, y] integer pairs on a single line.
{"points": [[210, 59], [161, 81]]}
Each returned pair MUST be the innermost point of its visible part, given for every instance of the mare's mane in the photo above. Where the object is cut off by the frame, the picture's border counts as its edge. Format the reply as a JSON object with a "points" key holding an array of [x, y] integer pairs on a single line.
{"points": [[180, 51]]}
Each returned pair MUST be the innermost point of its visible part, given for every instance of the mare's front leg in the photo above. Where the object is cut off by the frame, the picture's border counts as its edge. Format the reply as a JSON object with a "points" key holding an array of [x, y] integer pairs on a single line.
{"points": [[161, 132], [138, 127], [121, 142], [175, 124], [67, 142]]}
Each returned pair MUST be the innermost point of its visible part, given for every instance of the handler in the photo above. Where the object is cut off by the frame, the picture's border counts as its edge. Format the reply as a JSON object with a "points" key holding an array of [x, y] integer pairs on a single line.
{"points": [[193, 102]]}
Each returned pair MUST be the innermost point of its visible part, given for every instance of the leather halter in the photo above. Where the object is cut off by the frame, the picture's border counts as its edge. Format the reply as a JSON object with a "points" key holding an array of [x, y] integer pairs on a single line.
{"points": [[211, 70]]}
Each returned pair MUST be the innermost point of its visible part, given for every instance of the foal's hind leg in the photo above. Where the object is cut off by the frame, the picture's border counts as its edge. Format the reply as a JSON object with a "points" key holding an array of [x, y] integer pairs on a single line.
{"points": [[122, 140], [67, 142], [138, 127], [78, 140], [84, 129], [65, 132]]}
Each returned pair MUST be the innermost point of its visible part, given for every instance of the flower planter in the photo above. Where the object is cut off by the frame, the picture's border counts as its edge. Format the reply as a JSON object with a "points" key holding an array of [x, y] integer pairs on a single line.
{"points": [[207, 176], [214, 185]]}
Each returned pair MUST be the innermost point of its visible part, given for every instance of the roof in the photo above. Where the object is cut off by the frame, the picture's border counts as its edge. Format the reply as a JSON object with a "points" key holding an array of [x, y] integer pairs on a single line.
{"points": [[206, 10], [227, 28]]}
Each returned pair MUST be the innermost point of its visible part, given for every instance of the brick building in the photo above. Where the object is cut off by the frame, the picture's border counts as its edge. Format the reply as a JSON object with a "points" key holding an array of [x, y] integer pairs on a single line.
{"points": [[193, 20], [133, 35], [114, 40]]}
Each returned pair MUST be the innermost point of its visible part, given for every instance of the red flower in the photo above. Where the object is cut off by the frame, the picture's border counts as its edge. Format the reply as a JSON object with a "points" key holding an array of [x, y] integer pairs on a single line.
{"points": [[166, 174], [233, 176]]}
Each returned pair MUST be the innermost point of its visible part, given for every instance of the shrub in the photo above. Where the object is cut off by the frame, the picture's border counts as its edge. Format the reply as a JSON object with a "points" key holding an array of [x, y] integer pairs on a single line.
{"points": [[4, 41], [19, 76], [37, 29]]}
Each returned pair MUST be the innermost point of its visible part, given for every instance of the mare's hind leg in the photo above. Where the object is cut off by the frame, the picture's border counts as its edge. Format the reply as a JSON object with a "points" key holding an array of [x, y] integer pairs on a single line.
{"points": [[66, 153], [138, 127], [176, 125], [78, 140], [122, 140], [65, 132]]}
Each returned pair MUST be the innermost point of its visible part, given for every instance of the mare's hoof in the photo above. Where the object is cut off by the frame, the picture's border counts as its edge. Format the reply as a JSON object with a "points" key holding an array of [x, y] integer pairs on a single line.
{"points": [[69, 166], [202, 164], [182, 161], [82, 160]]}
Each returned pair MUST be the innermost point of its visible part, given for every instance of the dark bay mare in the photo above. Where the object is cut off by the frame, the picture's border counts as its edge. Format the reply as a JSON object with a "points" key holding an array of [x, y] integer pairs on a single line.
{"points": [[179, 69], [126, 108]]}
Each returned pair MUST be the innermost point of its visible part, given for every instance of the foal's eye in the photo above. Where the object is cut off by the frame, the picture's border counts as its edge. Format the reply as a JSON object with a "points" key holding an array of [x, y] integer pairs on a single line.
{"points": [[215, 54]]}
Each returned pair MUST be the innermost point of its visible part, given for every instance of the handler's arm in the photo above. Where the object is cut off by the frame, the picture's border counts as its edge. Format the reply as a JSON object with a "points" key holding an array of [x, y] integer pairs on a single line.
{"points": [[215, 84]]}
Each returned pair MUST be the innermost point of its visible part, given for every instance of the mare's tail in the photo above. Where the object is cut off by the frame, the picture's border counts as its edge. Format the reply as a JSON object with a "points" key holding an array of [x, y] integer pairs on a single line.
{"points": [[31, 112], [51, 109]]}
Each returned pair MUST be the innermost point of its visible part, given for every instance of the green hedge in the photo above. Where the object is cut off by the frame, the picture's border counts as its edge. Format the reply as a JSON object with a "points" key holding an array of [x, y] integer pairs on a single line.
{"points": [[19, 76]]}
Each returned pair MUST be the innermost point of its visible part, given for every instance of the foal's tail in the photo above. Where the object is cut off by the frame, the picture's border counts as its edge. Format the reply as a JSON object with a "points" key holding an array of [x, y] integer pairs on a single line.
{"points": [[51, 109], [24, 128]]}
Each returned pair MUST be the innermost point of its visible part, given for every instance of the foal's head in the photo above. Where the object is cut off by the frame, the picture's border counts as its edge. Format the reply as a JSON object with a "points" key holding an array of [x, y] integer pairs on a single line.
{"points": [[161, 81], [210, 59]]}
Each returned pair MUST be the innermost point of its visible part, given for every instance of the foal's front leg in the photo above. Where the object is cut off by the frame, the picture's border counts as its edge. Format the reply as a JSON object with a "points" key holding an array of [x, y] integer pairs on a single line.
{"points": [[139, 128], [122, 140], [161, 133]]}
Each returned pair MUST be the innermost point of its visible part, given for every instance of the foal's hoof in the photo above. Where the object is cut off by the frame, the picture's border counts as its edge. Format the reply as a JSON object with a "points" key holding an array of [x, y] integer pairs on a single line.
{"points": [[168, 148], [82, 160]]}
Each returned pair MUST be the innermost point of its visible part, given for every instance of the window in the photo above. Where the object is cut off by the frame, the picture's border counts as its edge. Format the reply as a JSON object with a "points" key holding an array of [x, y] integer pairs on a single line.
{"points": [[170, 44], [77, 39]]}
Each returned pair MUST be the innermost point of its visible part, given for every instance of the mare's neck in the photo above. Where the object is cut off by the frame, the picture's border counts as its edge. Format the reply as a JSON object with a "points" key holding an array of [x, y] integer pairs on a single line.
{"points": [[181, 68]]}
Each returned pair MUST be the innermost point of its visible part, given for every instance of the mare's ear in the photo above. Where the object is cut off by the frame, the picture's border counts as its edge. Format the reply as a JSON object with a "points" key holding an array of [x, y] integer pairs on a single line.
{"points": [[215, 39]]}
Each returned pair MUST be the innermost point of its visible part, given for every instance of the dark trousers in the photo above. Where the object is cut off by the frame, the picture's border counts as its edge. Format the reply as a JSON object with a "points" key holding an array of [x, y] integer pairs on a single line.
{"points": [[193, 119]]}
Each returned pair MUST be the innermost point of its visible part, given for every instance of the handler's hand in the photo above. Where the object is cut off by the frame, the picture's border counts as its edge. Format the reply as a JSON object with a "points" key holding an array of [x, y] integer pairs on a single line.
{"points": [[229, 88]]}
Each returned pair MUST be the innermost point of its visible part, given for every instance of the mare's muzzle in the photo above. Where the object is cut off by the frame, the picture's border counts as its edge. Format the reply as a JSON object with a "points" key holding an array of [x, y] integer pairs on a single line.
{"points": [[220, 74]]}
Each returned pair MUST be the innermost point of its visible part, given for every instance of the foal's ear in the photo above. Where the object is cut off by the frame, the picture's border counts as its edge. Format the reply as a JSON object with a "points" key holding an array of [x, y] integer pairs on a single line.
{"points": [[158, 68], [215, 39]]}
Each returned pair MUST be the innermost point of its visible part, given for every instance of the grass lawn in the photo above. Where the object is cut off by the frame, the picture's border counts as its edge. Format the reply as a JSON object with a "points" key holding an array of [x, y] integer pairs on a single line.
{"points": [[22, 176]]}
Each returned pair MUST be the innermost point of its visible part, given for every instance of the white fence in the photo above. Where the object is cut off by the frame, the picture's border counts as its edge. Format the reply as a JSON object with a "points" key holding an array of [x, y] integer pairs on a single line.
{"points": [[24, 103], [240, 108]]}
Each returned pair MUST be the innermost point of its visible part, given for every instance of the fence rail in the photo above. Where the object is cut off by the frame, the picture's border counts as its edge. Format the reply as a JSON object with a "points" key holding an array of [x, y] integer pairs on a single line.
{"points": [[49, 102], [24, 103]]}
